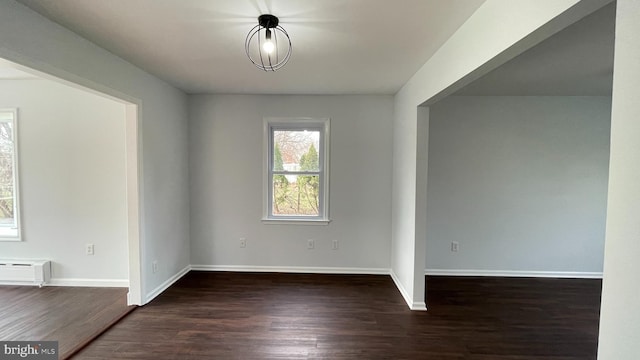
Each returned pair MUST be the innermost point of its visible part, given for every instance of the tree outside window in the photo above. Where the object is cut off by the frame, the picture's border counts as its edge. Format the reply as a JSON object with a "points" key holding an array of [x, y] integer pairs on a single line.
{"points": [[297, 170]]}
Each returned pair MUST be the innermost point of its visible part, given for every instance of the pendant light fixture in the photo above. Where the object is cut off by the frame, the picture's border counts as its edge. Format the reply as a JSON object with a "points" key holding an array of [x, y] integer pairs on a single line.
{"points": [[268, 45]]}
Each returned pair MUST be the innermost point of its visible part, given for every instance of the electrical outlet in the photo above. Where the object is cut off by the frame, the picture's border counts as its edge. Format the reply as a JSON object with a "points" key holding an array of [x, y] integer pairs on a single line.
{"points": [[154, 266], [455, 246], [243, 242], [90, 249], [334, 245], [311, 244]]}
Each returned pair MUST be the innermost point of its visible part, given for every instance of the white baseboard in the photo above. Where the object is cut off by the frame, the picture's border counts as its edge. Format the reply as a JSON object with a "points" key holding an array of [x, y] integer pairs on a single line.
{"points": [[165, 285], [292, 269], [515, 273], [417, 306], [401, 288], [88, 282], [20, 283]]}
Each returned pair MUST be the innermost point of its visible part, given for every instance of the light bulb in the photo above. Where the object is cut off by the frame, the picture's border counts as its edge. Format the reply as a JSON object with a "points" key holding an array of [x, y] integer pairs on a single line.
{"points": [[268, 46]]}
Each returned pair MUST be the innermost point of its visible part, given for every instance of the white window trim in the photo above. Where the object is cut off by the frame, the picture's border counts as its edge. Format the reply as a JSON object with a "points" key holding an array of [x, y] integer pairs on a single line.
{"points": [[16, 179], [268, 124]]}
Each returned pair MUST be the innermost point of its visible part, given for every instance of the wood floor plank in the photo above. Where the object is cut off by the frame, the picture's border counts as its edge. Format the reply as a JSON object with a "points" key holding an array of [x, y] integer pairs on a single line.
{"points": [[73, 316], [303, 316]]}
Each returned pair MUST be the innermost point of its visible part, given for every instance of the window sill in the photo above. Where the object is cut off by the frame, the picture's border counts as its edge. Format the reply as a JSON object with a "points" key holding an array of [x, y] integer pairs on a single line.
{"points": [[9, 238], [295, 222]]}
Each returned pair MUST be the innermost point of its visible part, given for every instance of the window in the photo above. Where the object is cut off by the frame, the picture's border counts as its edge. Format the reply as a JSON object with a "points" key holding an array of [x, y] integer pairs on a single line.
{"points": [[9, 211], [296, 170]]}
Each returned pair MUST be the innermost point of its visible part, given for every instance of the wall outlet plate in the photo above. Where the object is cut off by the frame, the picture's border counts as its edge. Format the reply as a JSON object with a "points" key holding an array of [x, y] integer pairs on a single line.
{"points": [[311, 244]]}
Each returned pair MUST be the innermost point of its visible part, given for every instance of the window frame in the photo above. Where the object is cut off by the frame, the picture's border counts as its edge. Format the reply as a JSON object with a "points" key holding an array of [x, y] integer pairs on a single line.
{"points": [[4, 234], [297, 123]]}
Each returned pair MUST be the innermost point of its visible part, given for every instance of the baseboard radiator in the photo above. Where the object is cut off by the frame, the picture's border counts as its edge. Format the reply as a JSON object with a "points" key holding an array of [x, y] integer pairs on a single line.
{"points": [[25, 272]]}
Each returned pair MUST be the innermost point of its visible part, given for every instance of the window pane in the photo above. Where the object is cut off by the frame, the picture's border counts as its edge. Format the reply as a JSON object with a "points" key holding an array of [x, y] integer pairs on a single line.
{"points": [[296, 150], [7, 218], [296, 195]]}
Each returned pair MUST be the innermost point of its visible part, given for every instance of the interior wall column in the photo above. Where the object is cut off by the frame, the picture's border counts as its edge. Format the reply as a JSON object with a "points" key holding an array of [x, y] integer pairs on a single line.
{"points": [[620, 313], [420, 245]]}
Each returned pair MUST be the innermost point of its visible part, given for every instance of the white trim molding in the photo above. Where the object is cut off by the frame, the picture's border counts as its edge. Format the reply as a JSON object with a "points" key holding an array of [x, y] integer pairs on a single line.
{"points": [[515, 273], [322, 126], [88, 282], [292, 269], [419, 306], [295, 222], [416, 306], [165, 285], [13, 232]]}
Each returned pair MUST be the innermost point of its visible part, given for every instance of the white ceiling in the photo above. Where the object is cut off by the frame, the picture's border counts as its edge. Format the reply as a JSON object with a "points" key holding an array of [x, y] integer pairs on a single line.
{"points": [[339, 46], [577, 61]]}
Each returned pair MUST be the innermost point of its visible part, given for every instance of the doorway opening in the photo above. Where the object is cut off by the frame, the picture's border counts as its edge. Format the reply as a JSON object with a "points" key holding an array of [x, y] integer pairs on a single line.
{"points": [[79, 176]]}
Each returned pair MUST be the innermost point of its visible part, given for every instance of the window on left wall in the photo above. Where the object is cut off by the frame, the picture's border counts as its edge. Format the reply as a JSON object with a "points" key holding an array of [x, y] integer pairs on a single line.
{"points": [[9, 200]]}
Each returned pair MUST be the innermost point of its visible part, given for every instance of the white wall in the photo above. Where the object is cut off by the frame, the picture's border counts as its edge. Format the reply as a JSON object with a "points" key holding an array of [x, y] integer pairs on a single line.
{"points": [[30, 39], [519, 182], [620, 314], [479, 45], [72, 180], [226, 146]]}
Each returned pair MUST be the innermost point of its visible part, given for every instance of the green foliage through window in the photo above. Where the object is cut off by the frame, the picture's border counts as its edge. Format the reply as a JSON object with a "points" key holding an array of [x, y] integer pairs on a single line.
{"points": [[296, 180]]}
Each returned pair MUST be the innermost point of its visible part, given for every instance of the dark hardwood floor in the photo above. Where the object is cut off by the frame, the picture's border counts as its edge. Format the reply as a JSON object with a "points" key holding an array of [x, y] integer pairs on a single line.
{"points": [[73, 316], [298, 316]]}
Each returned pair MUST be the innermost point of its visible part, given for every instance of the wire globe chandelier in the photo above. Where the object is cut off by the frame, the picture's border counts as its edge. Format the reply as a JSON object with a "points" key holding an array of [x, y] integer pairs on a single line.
{"points": [[268, 45]]}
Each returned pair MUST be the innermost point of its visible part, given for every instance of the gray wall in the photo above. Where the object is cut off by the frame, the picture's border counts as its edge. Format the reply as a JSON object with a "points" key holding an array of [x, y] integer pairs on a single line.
{"points": [[226, 147], [72, 181], [29, 39], [519, 182]]}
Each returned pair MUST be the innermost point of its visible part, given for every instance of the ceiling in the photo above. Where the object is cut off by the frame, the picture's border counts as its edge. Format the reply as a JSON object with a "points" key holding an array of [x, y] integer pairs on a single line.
{"points": [[339, 46], [577, 61]]}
